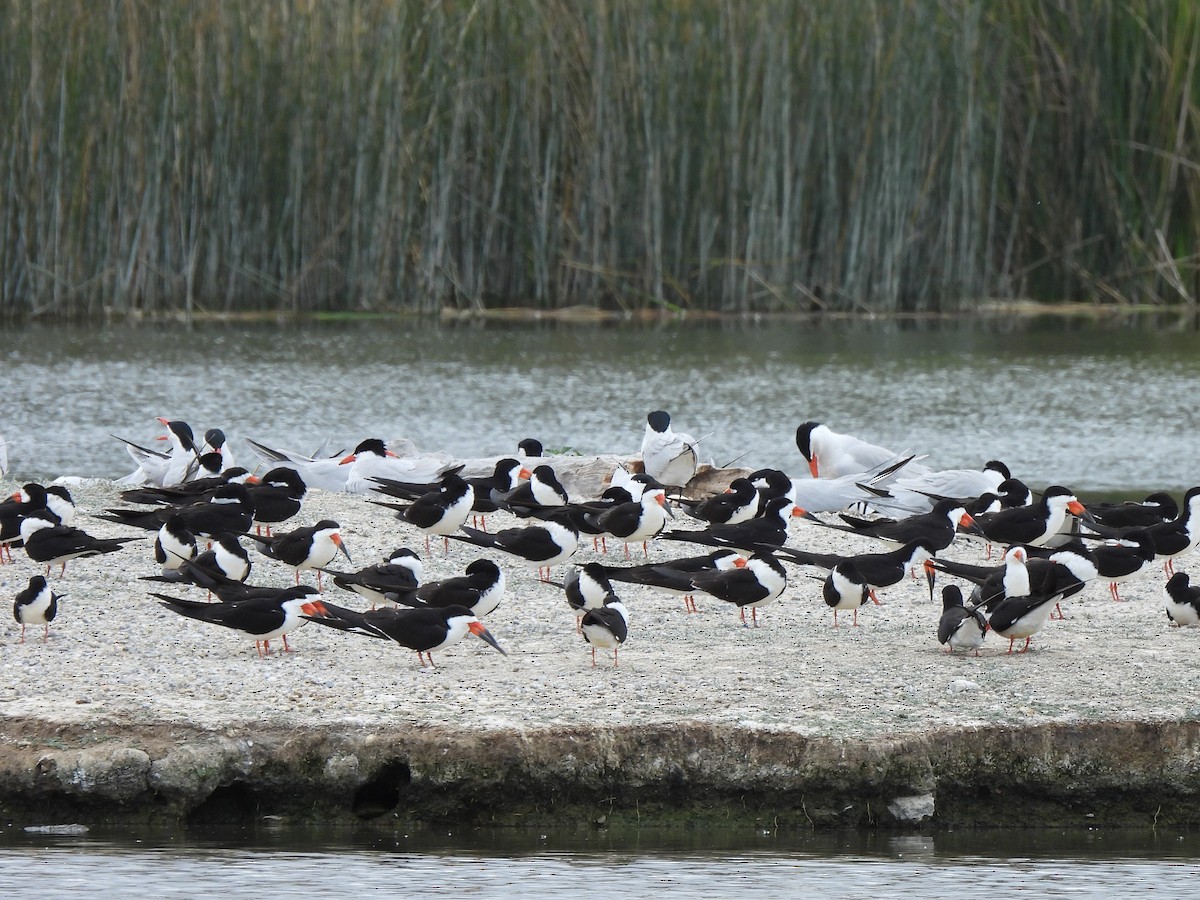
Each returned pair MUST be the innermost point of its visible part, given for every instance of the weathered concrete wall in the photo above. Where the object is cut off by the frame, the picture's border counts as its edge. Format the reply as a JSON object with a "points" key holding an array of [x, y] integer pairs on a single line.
{"points": [[1101, 774]]}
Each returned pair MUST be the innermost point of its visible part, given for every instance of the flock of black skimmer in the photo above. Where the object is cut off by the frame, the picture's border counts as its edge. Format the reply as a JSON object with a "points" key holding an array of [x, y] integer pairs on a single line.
{"points": [[207, 515]]}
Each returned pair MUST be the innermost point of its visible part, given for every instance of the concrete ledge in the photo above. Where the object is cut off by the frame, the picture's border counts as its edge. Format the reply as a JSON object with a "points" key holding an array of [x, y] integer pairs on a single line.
{"points": [[1102, 774]]}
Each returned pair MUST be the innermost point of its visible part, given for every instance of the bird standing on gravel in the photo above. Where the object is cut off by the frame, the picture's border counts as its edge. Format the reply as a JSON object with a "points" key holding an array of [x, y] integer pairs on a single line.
{"points": [[48, 542], [606, 627], [36, 605], [261, 618], [313, 547], [751, 583], [960, 628], [424, 630]]}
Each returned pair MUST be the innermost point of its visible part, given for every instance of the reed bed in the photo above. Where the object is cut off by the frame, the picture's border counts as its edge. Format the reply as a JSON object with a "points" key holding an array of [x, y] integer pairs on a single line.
{"points": [[163, 156]]}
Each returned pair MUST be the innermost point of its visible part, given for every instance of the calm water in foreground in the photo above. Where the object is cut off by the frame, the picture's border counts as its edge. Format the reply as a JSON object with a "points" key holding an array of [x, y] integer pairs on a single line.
{"points": [[1098, 406], [560, 865]]}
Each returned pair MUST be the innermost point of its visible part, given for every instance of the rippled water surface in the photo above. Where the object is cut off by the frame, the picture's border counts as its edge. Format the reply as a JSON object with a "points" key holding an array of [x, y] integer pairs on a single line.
{"points": [[1100, 407], [534, 864]]}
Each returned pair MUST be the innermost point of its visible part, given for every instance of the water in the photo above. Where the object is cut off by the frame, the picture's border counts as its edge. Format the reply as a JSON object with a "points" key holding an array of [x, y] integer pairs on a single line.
{"points": [[1107, 407], [559, 864]]}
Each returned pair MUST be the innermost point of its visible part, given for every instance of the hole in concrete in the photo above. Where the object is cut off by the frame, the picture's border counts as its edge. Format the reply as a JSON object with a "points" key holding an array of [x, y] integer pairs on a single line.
{"points": [[381, 794], [231, 803]]}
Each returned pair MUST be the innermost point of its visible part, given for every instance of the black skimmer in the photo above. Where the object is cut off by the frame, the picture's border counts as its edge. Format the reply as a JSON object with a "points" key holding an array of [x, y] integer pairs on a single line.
{"points": [[960, 628], [33, 497], [668, 456], [831, 455], [587, 588], [189, 492], [770, 530], [1042, 524], [480, 590], [938, 526], [225, 558], [1120, 560], [636, 521], [606, 627], [229, 509], [37, 604], [737, 504], [1182, 600], [507, 475], [876, 570], [1063, 570], [1170, 538], [675, 575], [222, 565], [1157, 508], [547, 544], [59, 501], [1017, 617], [50, 543], [174, 544], [583, 513], [424, 630], [844, 588], [541, 489], [276, 497], [312, 547], [530, 448], [441, 512], [769, 484], [402, 571], [215, 443], [752, 582], [260, 618]]}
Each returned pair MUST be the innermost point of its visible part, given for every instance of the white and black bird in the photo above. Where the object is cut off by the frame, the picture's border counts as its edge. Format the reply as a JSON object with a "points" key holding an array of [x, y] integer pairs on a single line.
{"points": [[402, 571], [174, 544], [768, 530], [758, 580], [587, 588], [424, 630], [442, 511], [46, 541], [1023, 616], [960, 628], [638, 521], [540, 489], [552, 541], [37, 604], [675, 576], [229, 509], [262, 618], [606, 627], [1182, 600], [736, 504], [668, 456], [309, 548], [480, 589]]}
